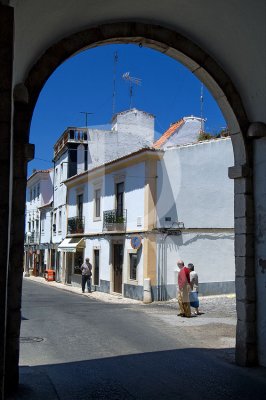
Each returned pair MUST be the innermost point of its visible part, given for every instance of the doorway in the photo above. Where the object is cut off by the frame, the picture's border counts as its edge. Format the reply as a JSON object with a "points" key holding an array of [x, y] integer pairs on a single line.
{"points": [[69, 258], [118, 251], [96, 267]]}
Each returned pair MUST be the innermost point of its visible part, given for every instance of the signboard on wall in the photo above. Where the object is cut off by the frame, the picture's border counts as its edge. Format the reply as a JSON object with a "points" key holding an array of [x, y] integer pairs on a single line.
{"points": [[136, 242]]}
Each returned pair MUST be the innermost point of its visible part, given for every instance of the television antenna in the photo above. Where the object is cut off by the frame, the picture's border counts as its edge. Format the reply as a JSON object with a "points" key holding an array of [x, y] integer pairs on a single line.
{"points": [[201, 107], [114, 79], [132, 81], [86, 113]]}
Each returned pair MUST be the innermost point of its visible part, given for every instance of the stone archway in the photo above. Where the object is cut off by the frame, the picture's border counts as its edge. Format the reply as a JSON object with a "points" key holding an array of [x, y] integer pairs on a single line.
{"points": [[223, 90]]}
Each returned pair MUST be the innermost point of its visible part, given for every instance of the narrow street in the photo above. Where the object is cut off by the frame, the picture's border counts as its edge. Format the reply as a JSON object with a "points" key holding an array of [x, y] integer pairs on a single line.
{"points": [[74, 347]]}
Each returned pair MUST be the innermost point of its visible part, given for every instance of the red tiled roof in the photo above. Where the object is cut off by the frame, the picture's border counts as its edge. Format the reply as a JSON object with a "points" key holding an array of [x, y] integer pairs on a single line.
{"points": [[40, 171], [167, 134]]}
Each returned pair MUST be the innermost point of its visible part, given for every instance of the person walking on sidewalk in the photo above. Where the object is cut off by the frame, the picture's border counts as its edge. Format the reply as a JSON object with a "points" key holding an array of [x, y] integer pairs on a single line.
{"points": [[184, 289], [86, 269]]}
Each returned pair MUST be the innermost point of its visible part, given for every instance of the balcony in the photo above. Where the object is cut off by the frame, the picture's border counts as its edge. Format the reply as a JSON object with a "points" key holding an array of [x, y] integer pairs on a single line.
{"points": [[75, 225], [32, 238], [73, 135], [114, 220]]}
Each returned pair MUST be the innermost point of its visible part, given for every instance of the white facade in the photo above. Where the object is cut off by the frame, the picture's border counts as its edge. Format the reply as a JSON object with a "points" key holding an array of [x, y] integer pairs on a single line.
{"points": [[38, 220], [200, 201], [97, 237], [193, 210], [131, 130], [39, 193], [59, 229]]}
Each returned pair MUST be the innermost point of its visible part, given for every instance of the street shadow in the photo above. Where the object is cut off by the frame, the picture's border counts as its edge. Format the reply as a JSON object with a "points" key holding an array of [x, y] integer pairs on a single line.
{"points": [[191, 373]]}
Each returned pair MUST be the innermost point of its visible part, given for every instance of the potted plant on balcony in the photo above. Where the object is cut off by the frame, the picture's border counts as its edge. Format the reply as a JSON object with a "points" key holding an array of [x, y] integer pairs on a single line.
{"points": [[80, 228], [71, 225]]}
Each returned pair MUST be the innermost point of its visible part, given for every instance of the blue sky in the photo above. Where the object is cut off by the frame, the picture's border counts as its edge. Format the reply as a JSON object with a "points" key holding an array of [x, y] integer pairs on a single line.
{"points": [[85, 83]]}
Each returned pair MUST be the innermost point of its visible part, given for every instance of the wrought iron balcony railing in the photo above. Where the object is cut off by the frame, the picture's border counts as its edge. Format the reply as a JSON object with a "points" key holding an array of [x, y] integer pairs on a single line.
{"points": [[114, 220], [32, 238], [75, 225]]}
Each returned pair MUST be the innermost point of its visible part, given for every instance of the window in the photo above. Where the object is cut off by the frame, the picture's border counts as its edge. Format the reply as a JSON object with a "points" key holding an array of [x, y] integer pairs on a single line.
{"points": [[120, 198], [42, 222], [80, 205], [61, 172], [60, 221], [133, 265], [29, 226], [56, 176], [97, 203], [38, 191], [54, 223], [34, 193]]}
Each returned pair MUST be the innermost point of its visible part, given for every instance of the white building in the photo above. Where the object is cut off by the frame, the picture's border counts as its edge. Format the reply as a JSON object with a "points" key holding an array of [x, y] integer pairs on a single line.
{"points": [[39, 195], [81, 149], [117, 207], [145, 210]]}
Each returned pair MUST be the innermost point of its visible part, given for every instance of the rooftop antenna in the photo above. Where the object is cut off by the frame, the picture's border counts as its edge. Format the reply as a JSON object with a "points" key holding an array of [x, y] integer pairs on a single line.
{"points": [[201, 108], [136, 81], [86, 113], [114, 84]]}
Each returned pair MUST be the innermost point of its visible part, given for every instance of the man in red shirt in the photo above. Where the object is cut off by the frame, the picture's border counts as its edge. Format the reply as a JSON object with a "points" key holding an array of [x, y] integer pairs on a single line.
{"points": [[184, 288]]}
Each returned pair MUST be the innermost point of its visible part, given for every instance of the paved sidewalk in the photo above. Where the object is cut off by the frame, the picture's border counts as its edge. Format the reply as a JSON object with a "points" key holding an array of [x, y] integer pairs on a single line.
{"points": [[218, 304], [105, 297]]}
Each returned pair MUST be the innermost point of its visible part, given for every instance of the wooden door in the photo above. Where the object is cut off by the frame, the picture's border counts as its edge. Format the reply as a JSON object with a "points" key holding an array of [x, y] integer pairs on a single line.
{"points": [[118, 250], [96, 267], [69, 258]]}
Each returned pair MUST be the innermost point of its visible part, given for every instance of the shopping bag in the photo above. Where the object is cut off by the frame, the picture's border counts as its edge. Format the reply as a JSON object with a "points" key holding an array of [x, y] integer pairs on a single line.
{"points": [[194, 299]]}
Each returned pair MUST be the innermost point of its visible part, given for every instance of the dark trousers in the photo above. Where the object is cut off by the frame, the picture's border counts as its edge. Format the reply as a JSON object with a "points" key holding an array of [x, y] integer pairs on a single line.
{"points": [[86, 278]]}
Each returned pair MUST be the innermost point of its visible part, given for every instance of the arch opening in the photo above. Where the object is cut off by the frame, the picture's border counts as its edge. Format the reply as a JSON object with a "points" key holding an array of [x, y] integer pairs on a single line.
{"points": [[178, 48]]}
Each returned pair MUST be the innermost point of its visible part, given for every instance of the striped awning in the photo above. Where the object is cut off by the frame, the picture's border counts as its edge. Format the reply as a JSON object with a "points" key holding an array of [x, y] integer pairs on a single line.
{"points": [[70, 245]]}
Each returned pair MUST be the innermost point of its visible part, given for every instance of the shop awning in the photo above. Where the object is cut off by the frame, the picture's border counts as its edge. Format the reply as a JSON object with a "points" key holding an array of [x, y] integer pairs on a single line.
{"points": [[70, 245]]}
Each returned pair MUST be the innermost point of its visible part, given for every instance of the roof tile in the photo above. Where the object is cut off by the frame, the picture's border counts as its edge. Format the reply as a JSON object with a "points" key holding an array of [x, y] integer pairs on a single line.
{"points": [[167, 134]]}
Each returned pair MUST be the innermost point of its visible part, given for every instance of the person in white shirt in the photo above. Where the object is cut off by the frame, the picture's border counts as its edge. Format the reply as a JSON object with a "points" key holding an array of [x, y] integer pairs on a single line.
{"points": [[194, 284]]}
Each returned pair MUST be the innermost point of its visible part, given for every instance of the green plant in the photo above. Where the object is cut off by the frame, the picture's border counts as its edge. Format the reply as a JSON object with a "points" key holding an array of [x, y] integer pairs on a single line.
{"points": [[205, 136]]}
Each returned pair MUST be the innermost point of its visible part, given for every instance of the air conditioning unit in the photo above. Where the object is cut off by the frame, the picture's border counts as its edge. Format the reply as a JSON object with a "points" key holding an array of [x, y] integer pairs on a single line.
{"points": [[139, 221]]}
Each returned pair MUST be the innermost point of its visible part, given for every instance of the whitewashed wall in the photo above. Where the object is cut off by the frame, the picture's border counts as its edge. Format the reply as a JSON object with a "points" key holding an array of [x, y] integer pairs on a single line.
{"points": [[193, 185], [194, 189], [45, 182], [134, 178], [60, 194], [46, 225], [211, 253]]}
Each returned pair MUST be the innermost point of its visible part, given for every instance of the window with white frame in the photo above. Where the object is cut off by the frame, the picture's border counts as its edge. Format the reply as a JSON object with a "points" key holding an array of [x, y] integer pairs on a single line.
{"points": [[56, 176], [133, 265], [42, 222], [54, 223], [97, 203], [80, 205], [60, 221], [61, 172]]}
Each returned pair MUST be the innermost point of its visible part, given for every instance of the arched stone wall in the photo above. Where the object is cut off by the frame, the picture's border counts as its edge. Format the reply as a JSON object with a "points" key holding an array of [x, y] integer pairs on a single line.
{"points": [[223, 90]]}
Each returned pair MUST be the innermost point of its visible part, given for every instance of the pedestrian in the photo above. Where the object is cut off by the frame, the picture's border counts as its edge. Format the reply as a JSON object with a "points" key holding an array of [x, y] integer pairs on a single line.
{"points": [[194, 284], [86, 269], [184, 289]]}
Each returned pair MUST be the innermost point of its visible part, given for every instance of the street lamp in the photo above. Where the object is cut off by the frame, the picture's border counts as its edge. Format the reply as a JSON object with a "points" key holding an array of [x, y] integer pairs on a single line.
{"points": [[27, 273]]}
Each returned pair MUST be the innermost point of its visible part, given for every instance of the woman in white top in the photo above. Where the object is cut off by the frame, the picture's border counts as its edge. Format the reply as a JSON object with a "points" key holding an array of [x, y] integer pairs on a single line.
{"points": [[194, 283]]}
